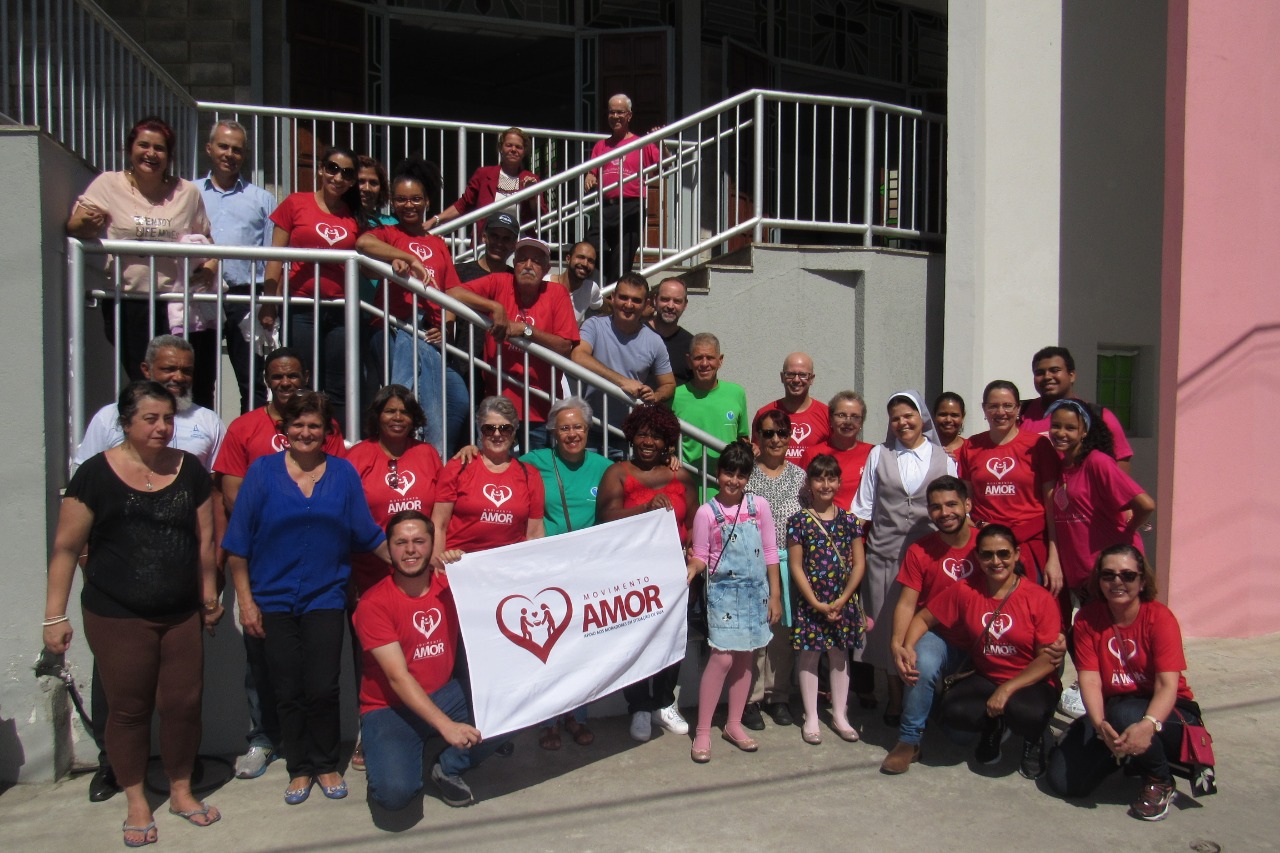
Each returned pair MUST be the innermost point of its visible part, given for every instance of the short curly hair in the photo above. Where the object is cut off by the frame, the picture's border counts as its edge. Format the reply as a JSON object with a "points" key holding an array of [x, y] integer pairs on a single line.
{"points": [[655, 419]]}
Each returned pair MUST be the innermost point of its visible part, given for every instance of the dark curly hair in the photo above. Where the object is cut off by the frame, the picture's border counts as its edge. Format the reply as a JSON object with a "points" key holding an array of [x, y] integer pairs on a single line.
{"points": [[373, 414], [1098, 435], [655, 419]]}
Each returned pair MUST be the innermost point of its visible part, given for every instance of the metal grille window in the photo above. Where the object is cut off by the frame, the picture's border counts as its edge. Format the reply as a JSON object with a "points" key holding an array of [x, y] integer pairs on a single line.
{"points": [[1117, 378]]}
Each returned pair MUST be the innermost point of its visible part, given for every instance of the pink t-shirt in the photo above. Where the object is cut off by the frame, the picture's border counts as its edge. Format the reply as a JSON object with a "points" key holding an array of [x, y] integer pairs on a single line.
{"points": [[434, 254], [1128, 658], [1008, 480], [1034, 420], [426, 629], [1087, 503], [489, 509], [310, 227], [707, 543], [629, 164], [931, 566], [808, 428], [130, 216], [1030, 619]]}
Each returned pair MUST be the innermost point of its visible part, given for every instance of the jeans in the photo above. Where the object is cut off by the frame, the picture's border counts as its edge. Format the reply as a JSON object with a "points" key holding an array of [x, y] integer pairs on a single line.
{"points": [[579, 715], [394, 739], [445, 435], [264, 721], [304, 654], [935, 659], [330, 373], [539, 439], [1080, 761], [1027, 712]]}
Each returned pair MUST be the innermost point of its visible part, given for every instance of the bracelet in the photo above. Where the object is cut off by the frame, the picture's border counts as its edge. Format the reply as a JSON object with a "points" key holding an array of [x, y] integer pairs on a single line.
{"points": [[56, 620], [211, 605]]}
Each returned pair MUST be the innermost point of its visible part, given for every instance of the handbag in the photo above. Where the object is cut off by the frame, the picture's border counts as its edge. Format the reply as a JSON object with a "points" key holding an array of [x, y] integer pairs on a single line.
{"points": [[1197, 755], [954, 678]]}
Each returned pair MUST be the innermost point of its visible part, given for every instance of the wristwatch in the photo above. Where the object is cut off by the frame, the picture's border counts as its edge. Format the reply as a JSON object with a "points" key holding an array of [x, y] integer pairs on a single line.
{"points": [[528, 330], [1156, 724]]}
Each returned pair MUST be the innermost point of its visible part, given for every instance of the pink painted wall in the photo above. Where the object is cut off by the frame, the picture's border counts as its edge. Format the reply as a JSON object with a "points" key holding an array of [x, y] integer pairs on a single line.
{"points": [[1219, 496]]}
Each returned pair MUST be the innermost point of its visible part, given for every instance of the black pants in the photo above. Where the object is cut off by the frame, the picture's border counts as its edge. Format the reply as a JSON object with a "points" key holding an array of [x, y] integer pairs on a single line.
{"points": [[238, 351], [1027, 712], [656, 691], [1080, 761], [304, 655], [621, 246], [135, 336]]}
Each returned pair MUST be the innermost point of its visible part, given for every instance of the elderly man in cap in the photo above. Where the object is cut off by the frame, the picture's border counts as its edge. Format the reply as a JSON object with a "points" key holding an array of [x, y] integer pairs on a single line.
{"points": [[524, 304]]}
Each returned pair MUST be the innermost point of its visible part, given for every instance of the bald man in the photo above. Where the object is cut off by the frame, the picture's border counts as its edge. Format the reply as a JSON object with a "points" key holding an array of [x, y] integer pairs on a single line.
{"points": [[810, 421]]}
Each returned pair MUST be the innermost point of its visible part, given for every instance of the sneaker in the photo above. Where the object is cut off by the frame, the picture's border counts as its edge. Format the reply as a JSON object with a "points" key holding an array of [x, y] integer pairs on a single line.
{"points": [[1157, 795], [1033, 758], [988, 751], [453, 790], [669, 718], [751, 717], [1072, 703], [641, 726], [254, 763]]}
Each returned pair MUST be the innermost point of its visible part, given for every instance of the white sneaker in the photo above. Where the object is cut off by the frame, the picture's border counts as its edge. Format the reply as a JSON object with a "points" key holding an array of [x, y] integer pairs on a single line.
{"points": [[1072, 703], [669, 718], [253, 763], [641, 727]]}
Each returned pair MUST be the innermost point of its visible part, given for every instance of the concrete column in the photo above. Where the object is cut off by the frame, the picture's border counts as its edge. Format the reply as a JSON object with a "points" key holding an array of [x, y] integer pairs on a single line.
{"points": [[1003, 161]]}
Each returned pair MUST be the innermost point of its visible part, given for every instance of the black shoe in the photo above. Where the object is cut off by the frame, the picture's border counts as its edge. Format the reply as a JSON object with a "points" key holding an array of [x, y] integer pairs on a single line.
{"points": [[988, 751], [1033, 758], [103, 785], [867, 701], [779, 713], [506, 750], [751, 717], [893, 721]]}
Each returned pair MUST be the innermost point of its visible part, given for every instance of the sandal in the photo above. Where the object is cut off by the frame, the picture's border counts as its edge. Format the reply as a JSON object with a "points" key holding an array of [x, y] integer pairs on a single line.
{"points": [[147, 837], [581, 735], [203, 812], [357, 757], [550, 737]]}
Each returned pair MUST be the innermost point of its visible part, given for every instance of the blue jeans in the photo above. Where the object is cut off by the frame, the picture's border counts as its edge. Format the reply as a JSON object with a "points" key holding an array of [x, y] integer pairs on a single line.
{"points": [[444, 434], [394, 739], [579, 715], [935, 659]]}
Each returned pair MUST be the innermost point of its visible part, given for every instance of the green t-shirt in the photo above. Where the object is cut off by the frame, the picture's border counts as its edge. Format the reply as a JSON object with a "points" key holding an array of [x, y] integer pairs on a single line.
{"points": [[722, 411], [580, 487]]}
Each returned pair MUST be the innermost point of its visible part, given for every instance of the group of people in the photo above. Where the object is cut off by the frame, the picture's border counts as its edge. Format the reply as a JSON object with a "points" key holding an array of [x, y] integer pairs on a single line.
{"points": [[947, 566]]}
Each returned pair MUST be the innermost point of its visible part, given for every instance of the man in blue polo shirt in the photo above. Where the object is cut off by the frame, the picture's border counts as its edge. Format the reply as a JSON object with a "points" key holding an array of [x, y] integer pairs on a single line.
{"points": [[240, 214]]}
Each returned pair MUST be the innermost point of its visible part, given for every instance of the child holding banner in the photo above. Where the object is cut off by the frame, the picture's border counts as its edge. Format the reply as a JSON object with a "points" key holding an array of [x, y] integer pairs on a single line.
{"points": [[735, 543]]}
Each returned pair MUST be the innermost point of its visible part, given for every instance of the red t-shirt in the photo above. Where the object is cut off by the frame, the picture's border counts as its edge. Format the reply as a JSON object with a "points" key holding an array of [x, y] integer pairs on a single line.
{"points": [[551, 312], [1008, 480], [852, 463], [931, 566], [489, 510], [434, 254], [629, 164], [808, 428], [1034, 420], [426, 629], [310, 227], [255, 434], [1087, 504], [415, 488], [1030, 619], [1152, 644]]}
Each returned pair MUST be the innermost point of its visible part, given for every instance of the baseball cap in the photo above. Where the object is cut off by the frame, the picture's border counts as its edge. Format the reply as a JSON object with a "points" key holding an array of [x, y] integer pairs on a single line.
{"points": [[537, 244], [502, 220]]}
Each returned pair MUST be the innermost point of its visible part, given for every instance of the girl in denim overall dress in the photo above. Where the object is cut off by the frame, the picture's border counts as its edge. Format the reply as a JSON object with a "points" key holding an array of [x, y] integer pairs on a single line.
{"points": [[734, 542]]}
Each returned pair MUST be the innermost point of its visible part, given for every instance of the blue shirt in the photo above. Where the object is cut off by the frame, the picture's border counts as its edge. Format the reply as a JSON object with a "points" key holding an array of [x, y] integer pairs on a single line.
{"points": [[299, 548], [240, 216]]}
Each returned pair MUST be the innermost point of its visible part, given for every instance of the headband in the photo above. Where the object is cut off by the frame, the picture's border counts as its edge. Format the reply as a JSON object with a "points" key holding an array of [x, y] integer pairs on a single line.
{"points": [[1076, 406]]}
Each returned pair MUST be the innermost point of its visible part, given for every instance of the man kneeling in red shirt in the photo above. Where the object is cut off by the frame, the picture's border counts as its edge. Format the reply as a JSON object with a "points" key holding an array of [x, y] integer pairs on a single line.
{"points": [[408, 628]]}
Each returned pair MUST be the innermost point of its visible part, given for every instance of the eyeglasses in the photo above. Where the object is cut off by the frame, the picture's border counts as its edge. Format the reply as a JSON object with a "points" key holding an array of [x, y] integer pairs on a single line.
{"points": [[416, 201], [795, 374], [1002, 553], [393, 473], [1128, 576], [775, 433], [567, 428], [331, 168], [618, 112], [845, 416], [1000, 407], [497, 429]]}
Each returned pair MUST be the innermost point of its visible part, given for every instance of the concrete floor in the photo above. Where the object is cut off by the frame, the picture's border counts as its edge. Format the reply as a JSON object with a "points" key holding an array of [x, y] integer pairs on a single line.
{"points": [[619, 795]]}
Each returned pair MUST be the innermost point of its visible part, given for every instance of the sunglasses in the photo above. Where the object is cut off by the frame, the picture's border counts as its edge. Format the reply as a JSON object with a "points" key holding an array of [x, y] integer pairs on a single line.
{"points": [[393, 473], [497, 429], [1128, 576], [775, 433], [1002, 553], [331, 168]]}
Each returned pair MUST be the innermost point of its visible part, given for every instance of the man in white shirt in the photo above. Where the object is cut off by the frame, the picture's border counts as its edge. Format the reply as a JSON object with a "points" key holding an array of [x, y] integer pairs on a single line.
{"points": [[578, 278]]}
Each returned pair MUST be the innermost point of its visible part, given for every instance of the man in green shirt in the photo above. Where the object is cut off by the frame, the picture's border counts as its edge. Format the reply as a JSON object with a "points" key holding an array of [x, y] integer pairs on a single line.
{"points": [[716, 407]]}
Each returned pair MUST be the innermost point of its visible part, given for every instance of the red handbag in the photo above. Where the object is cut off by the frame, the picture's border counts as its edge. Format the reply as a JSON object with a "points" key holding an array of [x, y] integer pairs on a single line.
{"points": [[1197, 754]]}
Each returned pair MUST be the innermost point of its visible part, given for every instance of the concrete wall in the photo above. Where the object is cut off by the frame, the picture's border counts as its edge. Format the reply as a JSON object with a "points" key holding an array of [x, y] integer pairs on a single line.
{"points": [[864, 316], [1221, 318], [1003, 73]]}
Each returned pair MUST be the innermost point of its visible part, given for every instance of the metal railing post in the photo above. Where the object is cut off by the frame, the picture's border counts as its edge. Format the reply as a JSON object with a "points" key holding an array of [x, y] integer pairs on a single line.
{"points": [[351, 320], [868, 176], [75, 343], [757, 189]]}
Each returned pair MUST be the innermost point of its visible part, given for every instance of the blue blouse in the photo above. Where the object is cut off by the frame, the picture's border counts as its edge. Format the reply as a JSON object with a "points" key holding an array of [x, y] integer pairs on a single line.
{"points": [[299, 548]]}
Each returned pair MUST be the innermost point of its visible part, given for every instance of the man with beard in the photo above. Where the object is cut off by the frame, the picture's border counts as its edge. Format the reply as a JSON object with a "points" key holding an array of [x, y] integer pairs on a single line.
{"points": [[408, 629], [669, 302], [500, 234], [584, 290], [169, 360]]}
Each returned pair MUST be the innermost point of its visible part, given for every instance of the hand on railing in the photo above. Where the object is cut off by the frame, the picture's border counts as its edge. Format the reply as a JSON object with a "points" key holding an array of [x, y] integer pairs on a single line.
{"points": [[409, 269], [639, 390]]}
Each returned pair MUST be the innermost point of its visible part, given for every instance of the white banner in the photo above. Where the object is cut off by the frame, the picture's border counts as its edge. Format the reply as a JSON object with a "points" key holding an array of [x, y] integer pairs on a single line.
{"points": [[552, 624]]}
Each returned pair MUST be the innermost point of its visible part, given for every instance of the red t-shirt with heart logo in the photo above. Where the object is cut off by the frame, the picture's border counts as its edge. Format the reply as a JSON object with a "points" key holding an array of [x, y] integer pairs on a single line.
{"points": [[411, 486], [426, 629], [1127, 659], [489, 509], [310, 227], [1008, 480], [434, 254], [808, 428], [931, 566], [255, 434], [1030, 619]]}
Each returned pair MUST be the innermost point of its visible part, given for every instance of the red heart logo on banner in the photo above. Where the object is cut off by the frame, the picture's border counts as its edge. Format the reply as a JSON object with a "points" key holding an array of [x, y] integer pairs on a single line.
{"points": [[538, 621], [999, 626]]}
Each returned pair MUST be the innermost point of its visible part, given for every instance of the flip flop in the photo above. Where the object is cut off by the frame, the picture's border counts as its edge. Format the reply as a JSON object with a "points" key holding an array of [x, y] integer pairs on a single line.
{"points": [[146, 834], [550, 738], [203, 811]]}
